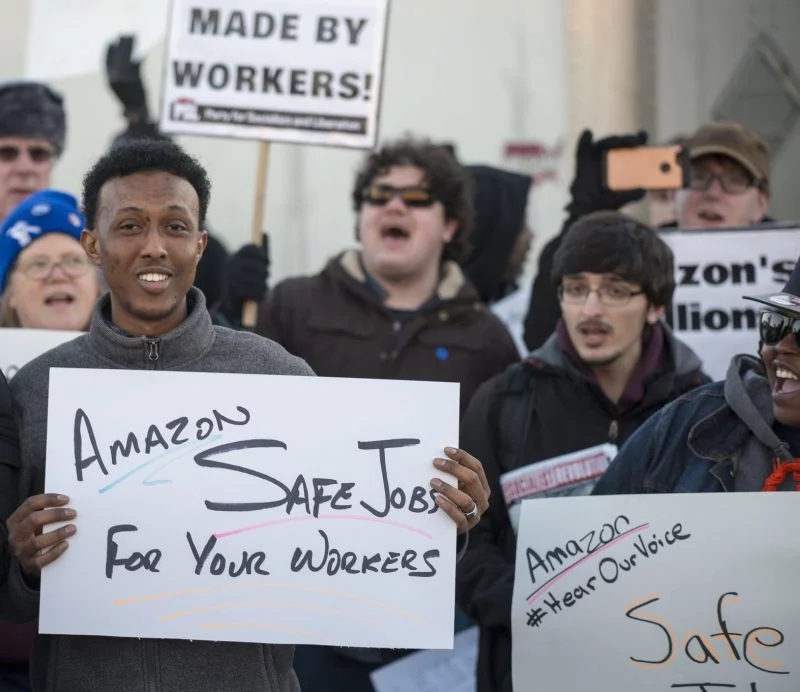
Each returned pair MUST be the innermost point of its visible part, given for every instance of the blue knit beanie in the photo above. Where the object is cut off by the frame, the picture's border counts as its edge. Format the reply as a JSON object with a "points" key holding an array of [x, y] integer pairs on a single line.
{"points": [[47, 211]]}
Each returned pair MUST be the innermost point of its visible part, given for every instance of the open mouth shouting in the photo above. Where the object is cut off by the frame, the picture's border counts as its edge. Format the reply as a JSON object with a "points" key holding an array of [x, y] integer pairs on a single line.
{"points": [[394, 235], [594, 333], [786, 383], [59, 300], [711, 217], [154, 280]]}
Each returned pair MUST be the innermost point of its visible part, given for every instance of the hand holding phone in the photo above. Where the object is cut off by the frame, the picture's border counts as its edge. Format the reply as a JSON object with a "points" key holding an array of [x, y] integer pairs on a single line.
{"points": [[648, 168]]}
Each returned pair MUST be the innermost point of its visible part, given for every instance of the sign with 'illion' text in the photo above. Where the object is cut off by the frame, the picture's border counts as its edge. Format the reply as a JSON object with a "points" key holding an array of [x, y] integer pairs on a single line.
{"points": [[251, 508], [657, 592], [300, 71], [714, 269]]}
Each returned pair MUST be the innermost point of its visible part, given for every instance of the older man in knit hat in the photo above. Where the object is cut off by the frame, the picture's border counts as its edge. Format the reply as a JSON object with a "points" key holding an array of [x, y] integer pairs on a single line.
{"points": [[32, 134]]}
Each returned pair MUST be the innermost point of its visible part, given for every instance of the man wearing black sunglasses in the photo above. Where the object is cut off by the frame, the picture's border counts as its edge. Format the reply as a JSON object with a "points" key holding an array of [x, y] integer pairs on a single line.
{"points": [[739, 435], [32, 134], [397, 308], [729, 188]]}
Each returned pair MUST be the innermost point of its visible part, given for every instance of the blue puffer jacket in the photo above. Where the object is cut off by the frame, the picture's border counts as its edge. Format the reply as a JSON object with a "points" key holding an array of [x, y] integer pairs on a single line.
{"points": [[697, 443]]}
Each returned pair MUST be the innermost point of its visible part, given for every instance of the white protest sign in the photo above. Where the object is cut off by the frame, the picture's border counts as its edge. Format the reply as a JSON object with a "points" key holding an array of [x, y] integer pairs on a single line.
{"points": [[714, 269], [657, 592], [18, 346], [251, 508], [300, 71]]}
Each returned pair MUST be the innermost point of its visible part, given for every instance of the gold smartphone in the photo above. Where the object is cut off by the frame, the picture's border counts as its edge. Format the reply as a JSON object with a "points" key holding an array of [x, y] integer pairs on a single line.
{"points": [[650, 168]]}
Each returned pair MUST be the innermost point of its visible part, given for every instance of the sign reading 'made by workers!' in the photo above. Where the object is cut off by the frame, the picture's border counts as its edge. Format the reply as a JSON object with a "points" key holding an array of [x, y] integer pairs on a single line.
{"points": [[300, 71]]}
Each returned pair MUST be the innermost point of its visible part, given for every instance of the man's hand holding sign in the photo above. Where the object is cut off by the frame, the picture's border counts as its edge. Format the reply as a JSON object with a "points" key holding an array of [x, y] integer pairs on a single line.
{"points": [[36, 548]]}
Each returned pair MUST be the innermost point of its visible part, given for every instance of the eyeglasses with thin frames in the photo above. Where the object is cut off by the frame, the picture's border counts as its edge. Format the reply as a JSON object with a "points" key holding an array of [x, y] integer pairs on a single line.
{"points": [[40, 268], [609, 296]]}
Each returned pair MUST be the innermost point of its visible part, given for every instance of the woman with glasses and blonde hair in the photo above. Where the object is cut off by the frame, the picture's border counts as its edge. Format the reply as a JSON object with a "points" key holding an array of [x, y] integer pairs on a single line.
{"points": [[47, 280]]}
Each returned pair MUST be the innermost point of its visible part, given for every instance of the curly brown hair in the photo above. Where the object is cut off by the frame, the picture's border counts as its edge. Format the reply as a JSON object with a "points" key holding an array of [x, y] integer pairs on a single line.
{"points": [[448, 182]]}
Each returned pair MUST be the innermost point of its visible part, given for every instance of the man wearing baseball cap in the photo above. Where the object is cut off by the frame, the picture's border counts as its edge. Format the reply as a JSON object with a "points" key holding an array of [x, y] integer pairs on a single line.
{"points": [[729, 188], [32, 135], [729, 184], [739, 435]]}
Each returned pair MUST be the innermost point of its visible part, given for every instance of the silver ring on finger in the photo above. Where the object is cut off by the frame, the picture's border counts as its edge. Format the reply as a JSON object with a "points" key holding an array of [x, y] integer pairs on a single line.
{"points": [[473, 512]]}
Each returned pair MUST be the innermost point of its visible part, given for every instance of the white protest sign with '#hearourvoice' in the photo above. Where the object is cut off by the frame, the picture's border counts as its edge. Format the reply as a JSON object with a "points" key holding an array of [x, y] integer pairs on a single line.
{"points": [[18, 346], [251, 508], [714, 269], [658, 592], [300, 71]]}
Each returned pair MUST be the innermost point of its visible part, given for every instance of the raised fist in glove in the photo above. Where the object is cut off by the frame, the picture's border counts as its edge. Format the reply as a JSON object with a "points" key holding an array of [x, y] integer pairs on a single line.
{"points": [[589, 192], [124, 78], [246, 275]]}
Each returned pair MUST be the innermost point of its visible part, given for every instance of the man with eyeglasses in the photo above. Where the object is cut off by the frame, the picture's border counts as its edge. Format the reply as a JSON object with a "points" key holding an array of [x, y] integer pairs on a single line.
{"points": [[397, 308], [729, 188], [739, 435], [610, 365], [32, 135], [729, 183]]}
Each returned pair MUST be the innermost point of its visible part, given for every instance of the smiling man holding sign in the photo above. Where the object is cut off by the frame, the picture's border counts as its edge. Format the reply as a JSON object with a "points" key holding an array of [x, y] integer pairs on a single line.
{"points": [[145, 207]]}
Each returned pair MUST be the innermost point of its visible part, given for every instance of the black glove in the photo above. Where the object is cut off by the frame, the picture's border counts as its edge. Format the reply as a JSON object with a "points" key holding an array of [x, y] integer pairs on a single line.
{"points": [[124, 78], [589, 192], [246, 275]]}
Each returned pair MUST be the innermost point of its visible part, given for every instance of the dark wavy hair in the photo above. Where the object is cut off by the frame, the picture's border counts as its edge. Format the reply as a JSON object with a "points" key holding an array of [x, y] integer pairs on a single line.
{"points": [[448, 182], [611, 242]]}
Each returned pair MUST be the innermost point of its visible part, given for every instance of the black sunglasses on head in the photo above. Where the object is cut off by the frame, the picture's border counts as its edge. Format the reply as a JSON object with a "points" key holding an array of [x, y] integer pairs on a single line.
{"points": [[381, 195], [774, 327]]}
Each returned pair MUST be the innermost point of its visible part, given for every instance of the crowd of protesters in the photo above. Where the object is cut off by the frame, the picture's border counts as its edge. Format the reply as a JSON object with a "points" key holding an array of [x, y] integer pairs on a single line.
{"points": [[437, 243]]}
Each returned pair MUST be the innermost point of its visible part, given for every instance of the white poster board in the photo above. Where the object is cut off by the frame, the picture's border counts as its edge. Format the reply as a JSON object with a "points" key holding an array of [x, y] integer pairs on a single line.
{"points": [[300, 71], [657, 592], [251, 508], [18, 346], [714, 269]]}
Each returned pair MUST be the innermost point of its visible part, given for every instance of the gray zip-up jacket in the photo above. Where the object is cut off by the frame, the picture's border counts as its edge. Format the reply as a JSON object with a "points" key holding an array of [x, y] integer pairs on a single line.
{"points": [[83, 663]]}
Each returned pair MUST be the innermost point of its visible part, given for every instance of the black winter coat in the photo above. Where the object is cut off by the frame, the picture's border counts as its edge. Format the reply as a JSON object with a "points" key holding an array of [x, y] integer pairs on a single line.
{"points": [[538, 409]]}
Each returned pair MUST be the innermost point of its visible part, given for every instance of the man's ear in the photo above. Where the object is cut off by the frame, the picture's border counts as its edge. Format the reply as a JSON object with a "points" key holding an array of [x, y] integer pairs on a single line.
{"points": [[654, 314], [202, 243], [91, 246], [450, 230]]}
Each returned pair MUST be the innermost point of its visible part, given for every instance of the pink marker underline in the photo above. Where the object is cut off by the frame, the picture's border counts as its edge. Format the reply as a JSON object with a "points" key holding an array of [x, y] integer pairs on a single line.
{"points": [[538, 591], [276, 522]]}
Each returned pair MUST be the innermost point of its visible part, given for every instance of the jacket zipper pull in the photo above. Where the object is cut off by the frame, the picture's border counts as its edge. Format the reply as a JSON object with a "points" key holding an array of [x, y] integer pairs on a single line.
{"points": [[613, 431], [152, 349]]}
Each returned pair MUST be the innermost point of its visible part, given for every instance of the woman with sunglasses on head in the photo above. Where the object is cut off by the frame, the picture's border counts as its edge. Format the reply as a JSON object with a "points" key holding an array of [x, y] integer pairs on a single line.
{"points": [[739, 435], [47, 280]]}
